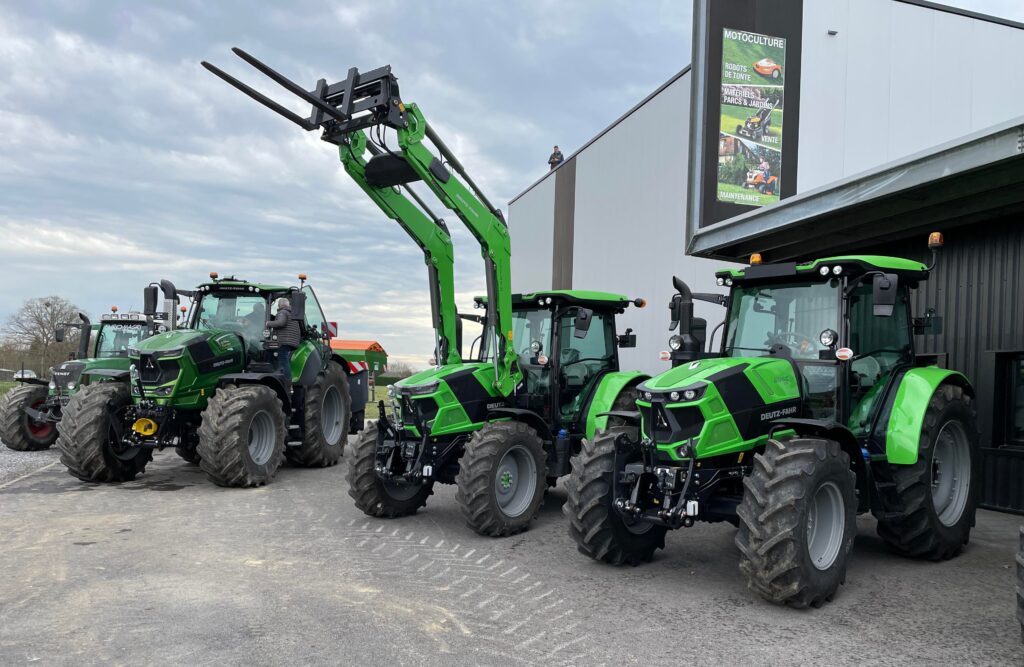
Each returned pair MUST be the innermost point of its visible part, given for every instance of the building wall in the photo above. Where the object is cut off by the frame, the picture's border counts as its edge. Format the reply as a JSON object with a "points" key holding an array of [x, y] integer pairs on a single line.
{"points": [[976, 288], [624, 224], [897, 79]]}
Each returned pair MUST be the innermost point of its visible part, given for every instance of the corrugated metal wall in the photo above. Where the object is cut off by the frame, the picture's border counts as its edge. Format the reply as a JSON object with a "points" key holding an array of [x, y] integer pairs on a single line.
{"points": [[978, 289]]}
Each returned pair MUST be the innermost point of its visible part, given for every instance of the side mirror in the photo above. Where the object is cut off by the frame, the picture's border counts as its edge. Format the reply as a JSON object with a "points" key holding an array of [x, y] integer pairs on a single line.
{"points": [[58, 334], [884, 288], [627, 339], [584, 316], [150, 295]]}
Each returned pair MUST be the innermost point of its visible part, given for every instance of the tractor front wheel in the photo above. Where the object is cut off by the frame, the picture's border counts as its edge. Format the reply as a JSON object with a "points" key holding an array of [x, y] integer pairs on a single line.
{"points": [[91, 428], [326, 415], [17, 429], [939, 492], [241, 437], [797, 521], [599, 531], [501, 479], [373, 495]]}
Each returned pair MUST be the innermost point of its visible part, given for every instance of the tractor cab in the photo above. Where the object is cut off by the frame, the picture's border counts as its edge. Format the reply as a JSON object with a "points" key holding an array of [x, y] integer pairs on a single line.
{"points": [[842, 322], [565, 342]]}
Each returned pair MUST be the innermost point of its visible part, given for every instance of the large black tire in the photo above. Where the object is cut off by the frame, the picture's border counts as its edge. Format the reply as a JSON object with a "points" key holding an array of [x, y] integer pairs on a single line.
{"points": [[88, 429], [371, 494], [797, 488], [241, 437], [1020, 583], [919, 531], [597, 528], [327, 413], [18, 431], [480, 467]]}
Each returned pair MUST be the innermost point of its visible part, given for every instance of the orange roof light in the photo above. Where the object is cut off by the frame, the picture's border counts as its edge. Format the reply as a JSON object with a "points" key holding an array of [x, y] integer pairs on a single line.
{"points": [[640, 302], [213, 275], [302, 277], [113, 309], [183, 309], [935, 240], [755, 259]]}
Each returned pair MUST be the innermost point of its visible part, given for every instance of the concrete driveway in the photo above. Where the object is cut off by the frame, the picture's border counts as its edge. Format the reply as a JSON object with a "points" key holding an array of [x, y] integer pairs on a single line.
{"points": [[170, 569]]}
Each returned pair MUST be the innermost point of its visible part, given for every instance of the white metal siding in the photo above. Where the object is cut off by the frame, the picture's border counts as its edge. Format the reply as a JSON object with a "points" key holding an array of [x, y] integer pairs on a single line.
{"points": [[531, 221], [630, 220], [895, 80]]}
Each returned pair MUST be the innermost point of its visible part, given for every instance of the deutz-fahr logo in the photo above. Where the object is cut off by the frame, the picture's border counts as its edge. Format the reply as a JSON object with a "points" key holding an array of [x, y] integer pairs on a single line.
{"points": [[495, 406], [775, 414]]}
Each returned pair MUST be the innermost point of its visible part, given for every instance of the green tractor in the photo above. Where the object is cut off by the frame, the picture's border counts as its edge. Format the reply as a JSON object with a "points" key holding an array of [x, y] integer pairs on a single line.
{"points": [[212, 391], [30, 412], [814, 410], [503, 424]]}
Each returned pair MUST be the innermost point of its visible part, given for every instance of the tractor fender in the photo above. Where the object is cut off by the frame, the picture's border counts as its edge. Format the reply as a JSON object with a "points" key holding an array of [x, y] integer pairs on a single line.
{"points": [[314, 364], [603, 398], [824, 428], [32, 381], [905, 417], [529, 417], [272, 380]]}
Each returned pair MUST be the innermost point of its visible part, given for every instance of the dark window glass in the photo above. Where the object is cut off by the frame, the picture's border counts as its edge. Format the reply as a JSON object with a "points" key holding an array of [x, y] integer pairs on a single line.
{"points": [[1017, 401]]}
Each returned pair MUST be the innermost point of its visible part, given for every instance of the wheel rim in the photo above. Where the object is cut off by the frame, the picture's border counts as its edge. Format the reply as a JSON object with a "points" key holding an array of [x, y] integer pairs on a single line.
{"points": [[261, 437], [515, 481], [825, 525], [330, 415], [35, 428], [951, 473]]}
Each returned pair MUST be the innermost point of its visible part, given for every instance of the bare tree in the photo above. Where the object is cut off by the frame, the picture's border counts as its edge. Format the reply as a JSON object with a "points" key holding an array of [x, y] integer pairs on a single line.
{"points": [[32, 327]]}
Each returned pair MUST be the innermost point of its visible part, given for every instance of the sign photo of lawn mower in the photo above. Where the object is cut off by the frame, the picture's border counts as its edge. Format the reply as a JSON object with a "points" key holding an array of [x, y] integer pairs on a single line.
{"points": [[761, 180], [756, 126]]}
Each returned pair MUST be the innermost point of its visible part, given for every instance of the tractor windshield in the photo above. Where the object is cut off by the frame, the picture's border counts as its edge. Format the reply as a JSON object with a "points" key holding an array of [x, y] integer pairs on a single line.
{"points": [[115, 339], [244, 314], [790, 315]]}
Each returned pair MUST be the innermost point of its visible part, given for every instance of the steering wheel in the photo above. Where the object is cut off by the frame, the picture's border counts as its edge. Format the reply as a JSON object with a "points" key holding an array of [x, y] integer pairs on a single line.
{"points": [[795, 336]]}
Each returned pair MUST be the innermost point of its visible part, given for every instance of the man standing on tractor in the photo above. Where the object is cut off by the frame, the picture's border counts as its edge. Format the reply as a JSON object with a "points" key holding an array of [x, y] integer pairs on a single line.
{"points": [[286, 331]]}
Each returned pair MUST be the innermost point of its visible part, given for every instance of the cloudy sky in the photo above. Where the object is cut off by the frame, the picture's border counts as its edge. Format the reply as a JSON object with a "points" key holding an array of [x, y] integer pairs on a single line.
{"points": [[122, 161]]}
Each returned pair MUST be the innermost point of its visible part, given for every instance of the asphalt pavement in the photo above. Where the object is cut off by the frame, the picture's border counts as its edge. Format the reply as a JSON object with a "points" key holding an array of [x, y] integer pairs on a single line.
{"points": [[170, 569]]}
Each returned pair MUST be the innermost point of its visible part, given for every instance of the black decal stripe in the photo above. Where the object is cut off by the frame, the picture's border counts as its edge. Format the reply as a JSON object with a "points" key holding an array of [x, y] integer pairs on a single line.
{"points": [[470, 394]]}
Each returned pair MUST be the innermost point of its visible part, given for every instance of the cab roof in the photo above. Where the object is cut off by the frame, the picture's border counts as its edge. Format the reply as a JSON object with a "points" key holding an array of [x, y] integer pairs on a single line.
{"points": [[570, 297], [851, 265], [233, 284]]}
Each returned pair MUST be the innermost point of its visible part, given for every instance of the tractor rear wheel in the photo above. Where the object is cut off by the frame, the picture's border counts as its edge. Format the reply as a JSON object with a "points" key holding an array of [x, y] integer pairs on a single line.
{"points": [[501, 479], [797, 521], [599, 531], [241, 437], [939, 492], [19, 431], [326, 416], [90, 435], [373, 495]]}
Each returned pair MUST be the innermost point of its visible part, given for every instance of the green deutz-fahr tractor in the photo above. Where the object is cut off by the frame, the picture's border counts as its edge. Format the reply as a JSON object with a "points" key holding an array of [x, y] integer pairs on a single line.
{"points": [[815, 409], [211, 390], [29, 413], [502, 424]]}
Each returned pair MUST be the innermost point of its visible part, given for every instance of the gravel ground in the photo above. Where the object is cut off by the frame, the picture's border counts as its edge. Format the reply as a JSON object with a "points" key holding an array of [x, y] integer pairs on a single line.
{"points": [[15, 464], [170, 569]]}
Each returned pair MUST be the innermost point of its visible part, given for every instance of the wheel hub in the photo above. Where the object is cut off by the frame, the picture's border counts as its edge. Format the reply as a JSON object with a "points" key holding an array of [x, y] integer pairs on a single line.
{"points": [[950, 473], [826, 524], [515, 481], [506, 480]]}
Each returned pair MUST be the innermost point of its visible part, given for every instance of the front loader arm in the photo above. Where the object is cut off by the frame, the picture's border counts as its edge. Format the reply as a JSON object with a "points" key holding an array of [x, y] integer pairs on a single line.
{"points": [[370, 101], [430, 235]]}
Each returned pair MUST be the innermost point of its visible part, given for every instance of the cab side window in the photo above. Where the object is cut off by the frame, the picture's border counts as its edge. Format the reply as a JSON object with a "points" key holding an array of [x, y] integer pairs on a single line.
{"points": [[582, 359], [314, 316]]}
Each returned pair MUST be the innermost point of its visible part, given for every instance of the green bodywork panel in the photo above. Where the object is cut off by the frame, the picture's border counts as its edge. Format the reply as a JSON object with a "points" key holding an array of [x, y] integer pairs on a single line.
{"points": [[774, 380], [191, 389], [607, 391], [903, 433], [451, 417]]}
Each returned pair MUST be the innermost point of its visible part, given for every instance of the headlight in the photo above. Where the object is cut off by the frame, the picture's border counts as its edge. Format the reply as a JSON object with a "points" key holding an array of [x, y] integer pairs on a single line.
{"points": [[675, 342], [71, 384], [52, 385], [824, 270], [133, 372], [163, 391], [689, 394], [674, 396], [837, 270], [827, 338], [720, 281], [420, 390], [728, 282]]}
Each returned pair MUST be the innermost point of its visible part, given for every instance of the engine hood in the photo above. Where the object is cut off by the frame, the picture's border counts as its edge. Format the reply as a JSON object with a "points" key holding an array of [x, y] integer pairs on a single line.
{"points": [[216, 342], [772, 376]]}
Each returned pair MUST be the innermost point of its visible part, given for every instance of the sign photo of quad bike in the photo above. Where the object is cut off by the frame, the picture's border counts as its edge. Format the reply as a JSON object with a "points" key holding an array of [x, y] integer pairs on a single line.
{"points": [[750, 117]]}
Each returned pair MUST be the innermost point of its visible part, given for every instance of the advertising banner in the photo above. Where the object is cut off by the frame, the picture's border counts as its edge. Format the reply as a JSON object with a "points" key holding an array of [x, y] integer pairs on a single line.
{"points": [[750, 113]]}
